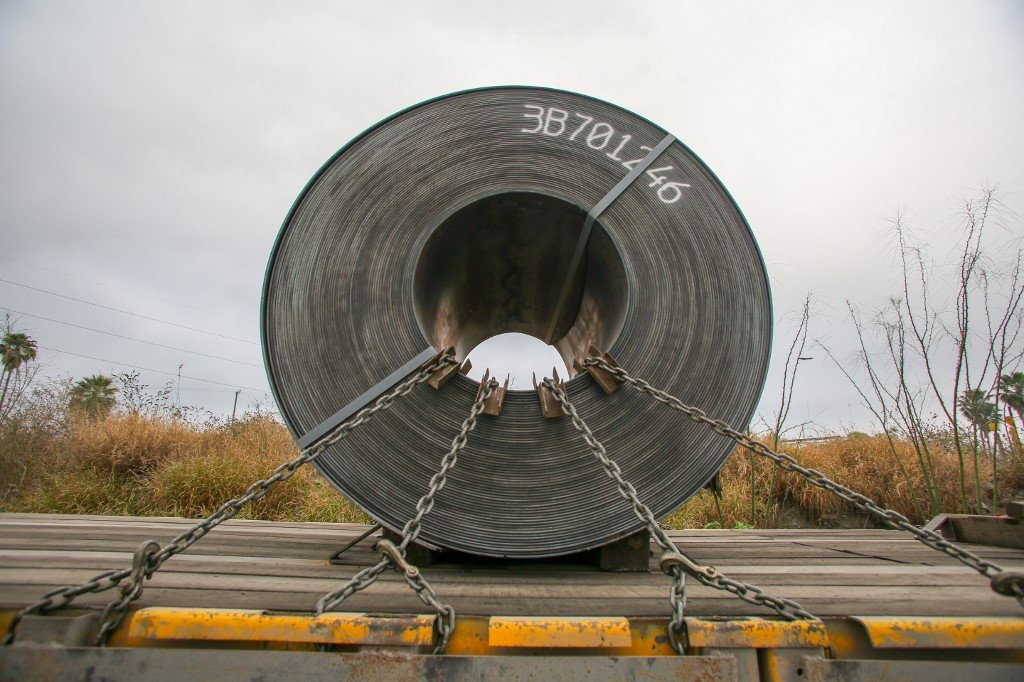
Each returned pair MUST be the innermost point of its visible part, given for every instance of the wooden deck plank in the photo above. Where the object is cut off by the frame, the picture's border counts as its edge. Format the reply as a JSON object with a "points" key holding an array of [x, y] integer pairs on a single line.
{"points": [[291, 567], [716, 604], [283, 566], [72, 574], [926, 595], [908, 553], [287, 547]]}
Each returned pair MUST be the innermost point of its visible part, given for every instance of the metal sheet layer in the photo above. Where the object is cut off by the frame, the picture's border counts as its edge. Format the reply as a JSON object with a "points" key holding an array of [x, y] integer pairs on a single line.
{"points": [[692, 314]]}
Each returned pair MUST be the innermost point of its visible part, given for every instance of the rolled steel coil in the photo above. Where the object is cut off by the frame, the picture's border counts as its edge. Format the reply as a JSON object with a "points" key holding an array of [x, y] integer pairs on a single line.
{"points": [[456, 220]]}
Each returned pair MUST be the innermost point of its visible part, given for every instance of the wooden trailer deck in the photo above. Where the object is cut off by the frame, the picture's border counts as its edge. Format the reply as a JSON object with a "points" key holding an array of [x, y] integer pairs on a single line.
{"points": [[841, 576], [284, 566]]}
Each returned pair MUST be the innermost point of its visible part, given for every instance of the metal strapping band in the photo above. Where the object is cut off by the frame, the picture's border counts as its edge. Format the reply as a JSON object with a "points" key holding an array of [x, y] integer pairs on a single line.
{"points": [[324, 427], [588, 225]]}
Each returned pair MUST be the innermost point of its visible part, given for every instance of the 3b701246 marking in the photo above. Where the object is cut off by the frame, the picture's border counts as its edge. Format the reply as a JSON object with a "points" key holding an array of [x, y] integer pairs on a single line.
{"points": [[581, 128]]}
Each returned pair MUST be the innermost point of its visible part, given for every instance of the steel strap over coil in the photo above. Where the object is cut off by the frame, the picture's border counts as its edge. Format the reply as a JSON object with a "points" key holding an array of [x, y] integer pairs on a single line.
{"points": [[456, 220]]}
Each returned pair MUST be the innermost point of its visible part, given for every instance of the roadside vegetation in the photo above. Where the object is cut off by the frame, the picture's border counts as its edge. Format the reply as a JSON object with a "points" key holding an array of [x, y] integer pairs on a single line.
{"points": [[110, 445], [72, 449], [937, 366], [859, 461]]}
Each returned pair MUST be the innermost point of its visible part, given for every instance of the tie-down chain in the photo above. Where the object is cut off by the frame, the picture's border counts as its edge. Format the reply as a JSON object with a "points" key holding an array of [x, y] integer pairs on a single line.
{"points": [[673, 562], [393, 556], [149, 557], [1007, 583]]}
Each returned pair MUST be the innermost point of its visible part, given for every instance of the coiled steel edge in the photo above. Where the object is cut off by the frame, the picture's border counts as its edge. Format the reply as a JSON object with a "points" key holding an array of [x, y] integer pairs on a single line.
{"points": [[454, 220]]}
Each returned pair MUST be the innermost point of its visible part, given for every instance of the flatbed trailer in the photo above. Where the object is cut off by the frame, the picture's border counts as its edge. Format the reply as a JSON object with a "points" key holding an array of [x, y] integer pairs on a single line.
{"points": [[240, 605]]}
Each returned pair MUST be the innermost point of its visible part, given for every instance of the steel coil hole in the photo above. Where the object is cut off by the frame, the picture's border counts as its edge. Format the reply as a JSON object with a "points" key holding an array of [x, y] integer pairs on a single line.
{"points": [[498, 265]]}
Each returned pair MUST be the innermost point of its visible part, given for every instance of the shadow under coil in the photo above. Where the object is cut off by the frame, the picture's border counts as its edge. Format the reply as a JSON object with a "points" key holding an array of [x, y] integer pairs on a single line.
{"points": [[456, 220]]}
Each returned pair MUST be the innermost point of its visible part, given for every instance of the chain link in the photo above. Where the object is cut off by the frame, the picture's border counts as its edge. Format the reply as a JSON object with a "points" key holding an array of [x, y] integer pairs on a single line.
{"points": [[62, 596], [150, 556], [1008, 583], [393, 556], [677, 600], [673, 562], [115, 611]]}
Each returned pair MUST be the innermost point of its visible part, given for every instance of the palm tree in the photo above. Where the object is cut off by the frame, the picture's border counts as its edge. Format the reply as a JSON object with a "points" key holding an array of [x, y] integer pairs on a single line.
{"points": [[979, 410], [16, 349], [95, 395], [1011, 390]]}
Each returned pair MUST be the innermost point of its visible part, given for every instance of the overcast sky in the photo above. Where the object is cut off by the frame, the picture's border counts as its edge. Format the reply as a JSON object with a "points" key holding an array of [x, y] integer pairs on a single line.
{"points": [[150, 150]]}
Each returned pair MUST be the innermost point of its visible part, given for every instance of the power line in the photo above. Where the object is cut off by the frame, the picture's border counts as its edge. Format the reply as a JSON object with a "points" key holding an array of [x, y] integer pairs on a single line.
{"points": [[150, 369], [128, 291], [127, 312], [130, 338], [220, 390]]}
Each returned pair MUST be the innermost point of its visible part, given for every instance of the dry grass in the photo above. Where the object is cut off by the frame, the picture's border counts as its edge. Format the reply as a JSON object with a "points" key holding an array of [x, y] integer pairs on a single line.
{"points": [[153, 466], [866, 464], [156, 466]]}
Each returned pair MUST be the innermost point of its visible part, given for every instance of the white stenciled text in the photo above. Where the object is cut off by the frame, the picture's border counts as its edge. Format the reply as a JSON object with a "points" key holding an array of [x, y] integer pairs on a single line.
{"points": [[602, 137]]}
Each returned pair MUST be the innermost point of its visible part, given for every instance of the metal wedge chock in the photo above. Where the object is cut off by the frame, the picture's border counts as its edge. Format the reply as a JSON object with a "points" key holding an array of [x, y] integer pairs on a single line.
{"points": [[445, 374], [608, 382], [549, 407], [492, 405]]}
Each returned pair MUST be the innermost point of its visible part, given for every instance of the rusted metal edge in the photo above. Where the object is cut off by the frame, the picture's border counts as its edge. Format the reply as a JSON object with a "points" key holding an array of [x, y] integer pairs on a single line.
{"points": [[493, 404], [754, 633], [608, 382], [442, 376], [549, 407], [564, 632], [150, 625], [886, 632], [888, 637]]}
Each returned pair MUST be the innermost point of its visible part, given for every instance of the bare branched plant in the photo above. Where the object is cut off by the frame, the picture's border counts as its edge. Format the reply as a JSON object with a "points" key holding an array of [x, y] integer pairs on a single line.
{"points": [[945, 346], [794, 356]]}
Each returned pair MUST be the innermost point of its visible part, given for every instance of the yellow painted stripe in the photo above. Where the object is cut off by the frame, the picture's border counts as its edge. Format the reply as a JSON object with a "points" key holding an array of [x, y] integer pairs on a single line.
{"points": [[562, 632], [613, 636], [259, 626], [944, 633], [755, 634]]}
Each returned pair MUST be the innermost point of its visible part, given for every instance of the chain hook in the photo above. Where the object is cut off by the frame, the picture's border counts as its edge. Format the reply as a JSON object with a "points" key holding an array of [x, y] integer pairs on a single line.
{"points": [[672, 561], [388, 550], [142, 561], [142, 569], [393, 555], [1012, 585], [146, 562]]}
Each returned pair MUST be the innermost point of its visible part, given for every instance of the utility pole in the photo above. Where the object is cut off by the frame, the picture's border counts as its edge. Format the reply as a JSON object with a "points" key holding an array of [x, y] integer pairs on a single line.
{"points": [[235, 406], [177, 397]]}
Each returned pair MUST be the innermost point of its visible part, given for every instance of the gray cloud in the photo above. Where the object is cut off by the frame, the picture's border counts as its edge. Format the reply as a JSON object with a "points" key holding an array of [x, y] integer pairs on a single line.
{"points": [[156, 147]]}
